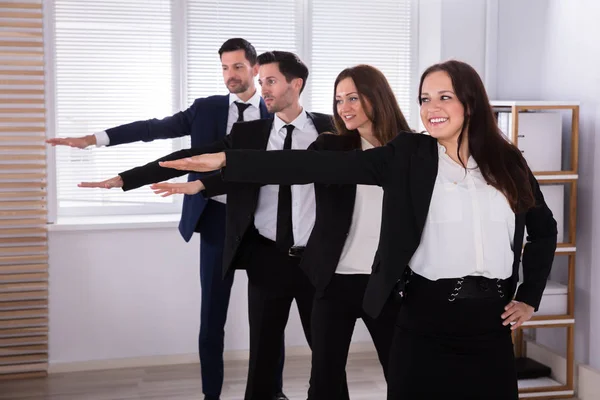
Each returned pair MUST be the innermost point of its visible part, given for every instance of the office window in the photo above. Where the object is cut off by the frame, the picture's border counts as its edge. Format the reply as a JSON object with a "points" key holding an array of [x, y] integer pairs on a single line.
{"points": [[116, 62]]}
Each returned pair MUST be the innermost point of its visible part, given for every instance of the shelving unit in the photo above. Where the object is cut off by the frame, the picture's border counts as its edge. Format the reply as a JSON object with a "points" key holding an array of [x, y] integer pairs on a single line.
{"points": [[549, 388]]}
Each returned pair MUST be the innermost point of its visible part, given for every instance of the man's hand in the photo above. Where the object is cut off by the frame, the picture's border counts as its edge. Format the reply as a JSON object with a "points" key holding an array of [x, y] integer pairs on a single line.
{"points": [[201, 163], [115, 182], [167, 189], [516, 313], [80, 142]]}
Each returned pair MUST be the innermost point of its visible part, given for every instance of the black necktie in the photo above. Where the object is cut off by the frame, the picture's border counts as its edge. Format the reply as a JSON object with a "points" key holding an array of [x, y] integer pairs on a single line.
{"points": [[241, 107], [285, 234]]}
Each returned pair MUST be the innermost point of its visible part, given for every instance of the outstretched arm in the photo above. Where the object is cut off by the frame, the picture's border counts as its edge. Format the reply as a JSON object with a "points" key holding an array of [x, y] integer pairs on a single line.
{"points": [[371, 167], [177, 125], [153, 172]]}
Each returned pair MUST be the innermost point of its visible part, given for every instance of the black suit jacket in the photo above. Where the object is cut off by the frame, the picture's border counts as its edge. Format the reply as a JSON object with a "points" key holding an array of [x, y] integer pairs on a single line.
{"points": [[242, 199], [406, 168], [334, 211]]}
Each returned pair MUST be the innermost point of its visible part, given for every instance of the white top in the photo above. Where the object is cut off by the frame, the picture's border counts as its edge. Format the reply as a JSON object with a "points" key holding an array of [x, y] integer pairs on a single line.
{"points": [[469, 228], [250, 114], [363, 238], [303, 196]]}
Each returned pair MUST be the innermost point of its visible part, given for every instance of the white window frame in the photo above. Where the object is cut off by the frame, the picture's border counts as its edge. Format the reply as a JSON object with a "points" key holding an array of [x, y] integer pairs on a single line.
{"points": [[179, 55]]}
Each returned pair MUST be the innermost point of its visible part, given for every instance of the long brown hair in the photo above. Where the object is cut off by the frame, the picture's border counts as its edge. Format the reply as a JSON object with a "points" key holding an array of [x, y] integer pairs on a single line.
{"points": [[384, 112], [500, 162]]}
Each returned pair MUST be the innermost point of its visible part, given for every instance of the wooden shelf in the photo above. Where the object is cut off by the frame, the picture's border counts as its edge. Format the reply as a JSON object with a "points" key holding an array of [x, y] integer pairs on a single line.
{"points": [[546, 388]]}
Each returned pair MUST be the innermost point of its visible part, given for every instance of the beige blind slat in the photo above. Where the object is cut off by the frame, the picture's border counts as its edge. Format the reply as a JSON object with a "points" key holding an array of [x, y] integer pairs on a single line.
{"points": [[31, 277], [23, 314], [23, 323], [21, 73], [23, 332], [26, 375], [26, 349], [23, 286], [13, 305], [24, 25], [25, 295], [7, 5], [23, 268], [19, 195], [16, 341], [22, 185], [22, 259], [13, 34], [21, 371], [29, 358]]}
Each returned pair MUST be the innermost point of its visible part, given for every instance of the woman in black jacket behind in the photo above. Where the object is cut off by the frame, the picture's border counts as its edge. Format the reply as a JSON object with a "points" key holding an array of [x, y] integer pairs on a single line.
{"points": [[340, 251], [455, 207]]}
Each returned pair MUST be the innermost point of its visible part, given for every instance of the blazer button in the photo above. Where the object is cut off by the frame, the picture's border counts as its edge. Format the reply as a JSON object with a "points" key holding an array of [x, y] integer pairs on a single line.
{"points": [[238, 239]]}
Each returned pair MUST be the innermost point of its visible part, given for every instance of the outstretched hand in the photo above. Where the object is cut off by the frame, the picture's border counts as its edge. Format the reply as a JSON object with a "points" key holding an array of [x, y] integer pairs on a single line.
{"points": [[201, 163], [115, 182], [77, 142], [165, 189]]}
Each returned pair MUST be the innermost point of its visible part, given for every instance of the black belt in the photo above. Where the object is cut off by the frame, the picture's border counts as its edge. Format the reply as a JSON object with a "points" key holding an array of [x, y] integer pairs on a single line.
{"points": [[467, 287], [294, 251]]}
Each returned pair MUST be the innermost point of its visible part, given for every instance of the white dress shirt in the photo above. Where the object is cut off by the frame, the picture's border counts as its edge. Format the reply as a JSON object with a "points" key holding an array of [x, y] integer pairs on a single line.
{"points": [[469, 228], [303, 196], [363, 238], [250, 114]]}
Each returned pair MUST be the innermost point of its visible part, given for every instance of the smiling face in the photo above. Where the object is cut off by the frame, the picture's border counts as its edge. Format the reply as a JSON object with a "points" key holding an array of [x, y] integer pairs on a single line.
{"points": [[277, 93], [442, 113], [238, 74], [350, 107]]}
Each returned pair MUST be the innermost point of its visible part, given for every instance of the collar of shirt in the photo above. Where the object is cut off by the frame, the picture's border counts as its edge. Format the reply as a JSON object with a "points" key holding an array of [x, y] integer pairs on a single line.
{"points": [[471, 164], [298, 123], [365, 145], [253, 101]]}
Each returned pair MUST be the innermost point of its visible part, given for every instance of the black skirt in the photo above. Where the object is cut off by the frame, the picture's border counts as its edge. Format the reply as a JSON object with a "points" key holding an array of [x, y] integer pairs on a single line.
{"points": [[447, 348]]}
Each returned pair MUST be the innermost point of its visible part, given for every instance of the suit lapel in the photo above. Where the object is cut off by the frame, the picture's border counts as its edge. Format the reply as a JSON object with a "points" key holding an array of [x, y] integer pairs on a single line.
{"points": [[264, 113], [321, 124], [256, 135], [424, 167], [222, 115]]}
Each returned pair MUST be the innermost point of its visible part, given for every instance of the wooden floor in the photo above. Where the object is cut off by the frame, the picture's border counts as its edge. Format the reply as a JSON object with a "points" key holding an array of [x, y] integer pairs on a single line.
{"points": [[182, 382]]}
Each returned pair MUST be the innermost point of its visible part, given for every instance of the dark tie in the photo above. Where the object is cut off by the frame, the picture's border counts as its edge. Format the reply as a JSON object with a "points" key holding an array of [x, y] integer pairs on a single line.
{"points": [[241, 107], [285, 234]]}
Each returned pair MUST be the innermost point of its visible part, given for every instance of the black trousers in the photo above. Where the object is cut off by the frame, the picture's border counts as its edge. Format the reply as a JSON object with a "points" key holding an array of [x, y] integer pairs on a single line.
{"points": [[447, 348], [274, 281], [334, 316]]}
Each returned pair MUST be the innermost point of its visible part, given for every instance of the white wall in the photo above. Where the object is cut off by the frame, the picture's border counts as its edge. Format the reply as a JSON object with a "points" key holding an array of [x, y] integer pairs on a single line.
{"points": [[127, 293], [548, 50], [131, 293]]}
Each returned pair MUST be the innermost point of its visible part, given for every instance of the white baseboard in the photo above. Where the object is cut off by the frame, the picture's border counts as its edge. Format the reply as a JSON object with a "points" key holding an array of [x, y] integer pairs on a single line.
{"points": [[587, 379], [192, 358]]}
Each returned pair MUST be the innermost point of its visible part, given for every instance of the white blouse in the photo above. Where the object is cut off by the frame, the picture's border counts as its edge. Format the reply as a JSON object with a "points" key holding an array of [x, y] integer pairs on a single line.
{"points": [[469, 228], [363, 238]]}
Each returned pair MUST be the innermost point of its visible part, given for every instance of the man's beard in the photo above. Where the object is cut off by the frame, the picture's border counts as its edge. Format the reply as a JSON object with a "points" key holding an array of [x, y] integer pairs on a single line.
{"points": [[240, 87]]}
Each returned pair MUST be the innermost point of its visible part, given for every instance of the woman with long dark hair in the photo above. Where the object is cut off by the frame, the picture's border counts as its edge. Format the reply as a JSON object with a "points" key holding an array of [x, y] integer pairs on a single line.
{"points": [[342, 244], [455, 207]]}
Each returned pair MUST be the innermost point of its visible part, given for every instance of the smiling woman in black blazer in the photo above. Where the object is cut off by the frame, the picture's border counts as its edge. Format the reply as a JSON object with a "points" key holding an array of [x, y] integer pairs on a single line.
{"points": [[456, 204], [339, 253]]}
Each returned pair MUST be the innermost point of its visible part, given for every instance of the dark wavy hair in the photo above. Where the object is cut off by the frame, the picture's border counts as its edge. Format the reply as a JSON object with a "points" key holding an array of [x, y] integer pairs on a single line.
{"points": [[500, 162], [384, 112]]}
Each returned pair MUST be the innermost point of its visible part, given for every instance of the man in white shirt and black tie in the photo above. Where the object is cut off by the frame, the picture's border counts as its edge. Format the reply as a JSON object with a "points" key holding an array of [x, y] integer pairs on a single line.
{"points": [[267, 226], [208, 119]]}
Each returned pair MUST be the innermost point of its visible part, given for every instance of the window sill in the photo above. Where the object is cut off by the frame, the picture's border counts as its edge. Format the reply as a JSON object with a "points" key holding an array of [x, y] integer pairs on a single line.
{"points": [[115, 222]]}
